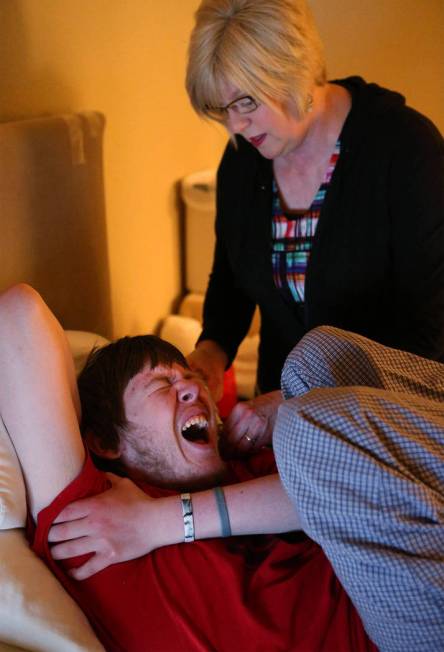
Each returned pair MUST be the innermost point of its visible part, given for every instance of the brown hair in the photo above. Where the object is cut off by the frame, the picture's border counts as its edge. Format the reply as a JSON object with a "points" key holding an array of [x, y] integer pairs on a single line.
{"points": [[105, 376]]}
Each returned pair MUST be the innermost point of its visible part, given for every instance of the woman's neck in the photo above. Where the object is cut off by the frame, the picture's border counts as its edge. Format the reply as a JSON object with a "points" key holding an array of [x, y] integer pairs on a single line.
{"points": [[300, 171], [331, 105]]}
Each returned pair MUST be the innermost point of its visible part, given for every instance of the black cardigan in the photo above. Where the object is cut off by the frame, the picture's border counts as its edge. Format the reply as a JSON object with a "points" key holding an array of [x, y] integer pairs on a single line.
{"points": [[377, 263]]}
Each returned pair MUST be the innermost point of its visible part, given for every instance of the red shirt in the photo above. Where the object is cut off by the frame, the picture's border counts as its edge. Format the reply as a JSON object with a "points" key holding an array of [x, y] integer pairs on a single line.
{"points": [[243, 594]]}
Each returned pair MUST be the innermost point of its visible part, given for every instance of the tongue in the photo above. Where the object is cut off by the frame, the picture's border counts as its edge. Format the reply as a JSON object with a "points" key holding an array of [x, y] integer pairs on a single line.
{"points": [[201, 442], [196, 435]]}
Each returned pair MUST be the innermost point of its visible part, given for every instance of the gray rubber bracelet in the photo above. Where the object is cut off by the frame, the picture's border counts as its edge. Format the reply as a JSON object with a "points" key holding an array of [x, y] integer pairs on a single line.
{"points": [[223, 512]]}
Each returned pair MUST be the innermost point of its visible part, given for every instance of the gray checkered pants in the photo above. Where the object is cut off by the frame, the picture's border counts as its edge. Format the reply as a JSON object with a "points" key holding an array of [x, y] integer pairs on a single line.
{"points": [[359, 444]]}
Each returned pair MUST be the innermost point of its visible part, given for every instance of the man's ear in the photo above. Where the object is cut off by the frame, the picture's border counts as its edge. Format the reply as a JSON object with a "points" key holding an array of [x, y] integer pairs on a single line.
{"points": [[94, 445]]}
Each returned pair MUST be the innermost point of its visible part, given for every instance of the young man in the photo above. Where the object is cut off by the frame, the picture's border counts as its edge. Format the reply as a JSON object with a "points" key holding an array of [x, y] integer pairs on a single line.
{"points": [[359, 442], [224, 594]]}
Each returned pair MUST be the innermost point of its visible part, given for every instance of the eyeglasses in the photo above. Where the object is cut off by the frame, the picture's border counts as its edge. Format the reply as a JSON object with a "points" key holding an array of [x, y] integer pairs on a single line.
{"points": [[242, 105]]}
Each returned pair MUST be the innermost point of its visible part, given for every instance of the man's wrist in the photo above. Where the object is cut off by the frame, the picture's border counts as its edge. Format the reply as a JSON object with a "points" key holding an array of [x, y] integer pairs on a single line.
{"points": [[166, 513]]}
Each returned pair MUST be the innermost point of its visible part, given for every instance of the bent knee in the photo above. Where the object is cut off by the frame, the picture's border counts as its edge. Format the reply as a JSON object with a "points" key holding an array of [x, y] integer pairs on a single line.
{"points": [[321, 336], [313, 361]]}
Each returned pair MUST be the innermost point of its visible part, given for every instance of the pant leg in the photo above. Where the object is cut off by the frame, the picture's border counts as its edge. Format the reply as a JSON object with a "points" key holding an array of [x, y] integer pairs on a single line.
{"points": [[331, 357], [365, 468]]}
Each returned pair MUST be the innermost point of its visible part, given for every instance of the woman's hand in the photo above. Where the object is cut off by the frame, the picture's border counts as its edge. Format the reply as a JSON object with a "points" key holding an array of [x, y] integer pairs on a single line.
{"points": [[250, 424], [209, 360], [120, 524]]}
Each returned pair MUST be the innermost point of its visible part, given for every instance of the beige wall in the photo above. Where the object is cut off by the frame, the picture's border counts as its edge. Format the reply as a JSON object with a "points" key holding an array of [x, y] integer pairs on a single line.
{"points": [[126, 58], [396, 43]]}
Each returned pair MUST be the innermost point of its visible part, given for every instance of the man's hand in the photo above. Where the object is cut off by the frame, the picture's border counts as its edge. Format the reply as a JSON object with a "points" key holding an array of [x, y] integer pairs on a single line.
{"points": [[120, 524], [250, 425]]}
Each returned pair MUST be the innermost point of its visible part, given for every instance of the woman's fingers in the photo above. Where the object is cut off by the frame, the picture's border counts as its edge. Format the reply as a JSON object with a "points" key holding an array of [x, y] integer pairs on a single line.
{"points": [[250, 424]]}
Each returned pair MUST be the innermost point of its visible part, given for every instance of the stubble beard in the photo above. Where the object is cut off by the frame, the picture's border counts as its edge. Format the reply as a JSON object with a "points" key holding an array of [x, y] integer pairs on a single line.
{"points": [[146, 463]]}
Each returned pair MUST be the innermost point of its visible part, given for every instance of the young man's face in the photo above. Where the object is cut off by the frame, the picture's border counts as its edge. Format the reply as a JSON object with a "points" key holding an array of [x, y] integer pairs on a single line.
{"points": [[171, 437]]}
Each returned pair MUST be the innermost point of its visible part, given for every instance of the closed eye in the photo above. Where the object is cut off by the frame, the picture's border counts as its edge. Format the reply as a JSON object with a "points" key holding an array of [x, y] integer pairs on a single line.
{"points": [[158, 384]]}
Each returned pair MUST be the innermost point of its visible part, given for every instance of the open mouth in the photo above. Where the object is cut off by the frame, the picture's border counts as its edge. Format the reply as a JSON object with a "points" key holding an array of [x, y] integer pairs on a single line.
{"points": [[196, 430]]}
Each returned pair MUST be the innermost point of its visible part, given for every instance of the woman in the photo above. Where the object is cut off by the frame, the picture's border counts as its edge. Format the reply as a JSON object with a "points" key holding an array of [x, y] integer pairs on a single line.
{"points": [[330, 201]]}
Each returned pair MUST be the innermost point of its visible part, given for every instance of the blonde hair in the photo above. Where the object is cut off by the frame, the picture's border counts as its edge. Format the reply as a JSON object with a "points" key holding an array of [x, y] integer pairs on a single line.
{"points": [[269, 49]]}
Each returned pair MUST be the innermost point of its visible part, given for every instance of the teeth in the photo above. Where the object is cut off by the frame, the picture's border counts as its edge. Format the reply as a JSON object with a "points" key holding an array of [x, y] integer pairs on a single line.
{"points": [[198, 421]]}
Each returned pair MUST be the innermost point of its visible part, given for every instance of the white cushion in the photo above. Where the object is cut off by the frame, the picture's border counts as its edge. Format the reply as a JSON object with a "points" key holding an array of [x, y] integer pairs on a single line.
{"points": [[181, 331], [12, 487], [81, 344], [35, 611]]}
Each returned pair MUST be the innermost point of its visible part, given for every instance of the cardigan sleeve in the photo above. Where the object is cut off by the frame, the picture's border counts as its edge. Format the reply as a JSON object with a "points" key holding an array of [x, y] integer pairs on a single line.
{"points": [[228, 311], [416, 197]]}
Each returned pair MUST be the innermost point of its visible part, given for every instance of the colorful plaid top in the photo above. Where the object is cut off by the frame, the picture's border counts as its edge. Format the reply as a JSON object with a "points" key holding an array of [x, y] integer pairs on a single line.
{"points": [[292, 238]]}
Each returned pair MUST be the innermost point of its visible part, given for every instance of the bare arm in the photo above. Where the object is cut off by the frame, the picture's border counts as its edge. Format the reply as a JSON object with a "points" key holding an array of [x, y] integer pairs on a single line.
{"points": [[259, 506], [39, 403], [124, 523]]}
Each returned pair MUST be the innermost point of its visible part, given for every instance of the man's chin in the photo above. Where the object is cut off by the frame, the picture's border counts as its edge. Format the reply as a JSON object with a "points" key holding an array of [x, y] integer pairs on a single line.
{"points": [[205, 480], [192, 477]]}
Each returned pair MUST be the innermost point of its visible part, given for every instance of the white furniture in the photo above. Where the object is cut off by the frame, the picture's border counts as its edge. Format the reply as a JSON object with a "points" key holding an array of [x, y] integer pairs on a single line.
{"points": [[54, 238]]}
